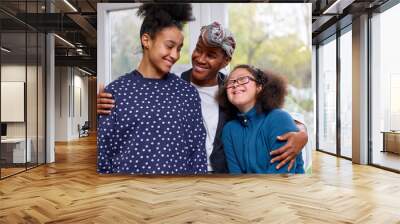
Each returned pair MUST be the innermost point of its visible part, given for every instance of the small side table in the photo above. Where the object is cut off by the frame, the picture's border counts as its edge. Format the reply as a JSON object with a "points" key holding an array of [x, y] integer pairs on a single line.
{"points": [[15, 148], [391, 141]]}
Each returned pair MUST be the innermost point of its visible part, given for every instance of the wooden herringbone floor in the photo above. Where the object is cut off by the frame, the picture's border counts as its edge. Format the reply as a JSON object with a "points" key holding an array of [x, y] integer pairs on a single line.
{"points": [[70, 191]]}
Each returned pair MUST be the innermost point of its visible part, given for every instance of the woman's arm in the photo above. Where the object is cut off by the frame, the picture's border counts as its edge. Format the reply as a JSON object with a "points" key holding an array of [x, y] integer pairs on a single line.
{"points": [[295, 142], [280, 122]]}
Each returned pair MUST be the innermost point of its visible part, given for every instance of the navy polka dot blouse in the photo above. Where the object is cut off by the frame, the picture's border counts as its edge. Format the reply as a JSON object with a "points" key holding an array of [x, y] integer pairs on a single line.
{"points": [[155, 127]]}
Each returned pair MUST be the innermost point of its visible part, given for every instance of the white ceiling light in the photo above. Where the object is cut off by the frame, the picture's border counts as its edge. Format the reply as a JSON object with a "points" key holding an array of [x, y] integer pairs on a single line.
{"points": [[65, 41], [86, 72], [337, 7], [70, 5], [5, 50]]}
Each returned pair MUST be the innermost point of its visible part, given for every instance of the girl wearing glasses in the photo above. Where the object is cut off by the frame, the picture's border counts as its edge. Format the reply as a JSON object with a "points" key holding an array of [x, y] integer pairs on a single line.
{"points": [[254, 99]]}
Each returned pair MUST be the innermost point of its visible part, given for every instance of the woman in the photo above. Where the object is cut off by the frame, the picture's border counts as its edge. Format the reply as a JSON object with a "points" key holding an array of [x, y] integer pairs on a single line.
{"points": [[254, 99], [156, 125]]}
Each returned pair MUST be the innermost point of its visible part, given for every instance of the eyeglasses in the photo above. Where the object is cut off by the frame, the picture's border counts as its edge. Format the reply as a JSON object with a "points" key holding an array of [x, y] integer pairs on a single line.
{"points": [[240, 81]]}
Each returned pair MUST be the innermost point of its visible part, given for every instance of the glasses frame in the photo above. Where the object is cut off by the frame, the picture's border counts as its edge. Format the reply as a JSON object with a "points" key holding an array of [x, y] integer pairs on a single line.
{"points": [[230, 83]]}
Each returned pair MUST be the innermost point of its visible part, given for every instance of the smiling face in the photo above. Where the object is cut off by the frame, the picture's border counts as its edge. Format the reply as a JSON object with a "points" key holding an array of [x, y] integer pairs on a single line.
{"points": [[206, 62], [163, 50], [244, 96]]}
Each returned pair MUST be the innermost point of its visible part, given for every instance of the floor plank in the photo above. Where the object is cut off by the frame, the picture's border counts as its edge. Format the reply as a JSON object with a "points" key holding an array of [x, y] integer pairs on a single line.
{"points": [[70, 191]]}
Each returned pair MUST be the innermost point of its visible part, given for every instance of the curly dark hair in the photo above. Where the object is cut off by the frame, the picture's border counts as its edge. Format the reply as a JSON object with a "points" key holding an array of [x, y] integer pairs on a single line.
{"points": [[157, 16], [272, 95]]}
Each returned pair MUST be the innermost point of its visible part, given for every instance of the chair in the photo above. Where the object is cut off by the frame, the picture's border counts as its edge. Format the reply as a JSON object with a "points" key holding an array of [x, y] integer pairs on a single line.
{"points": [[84, 130]]}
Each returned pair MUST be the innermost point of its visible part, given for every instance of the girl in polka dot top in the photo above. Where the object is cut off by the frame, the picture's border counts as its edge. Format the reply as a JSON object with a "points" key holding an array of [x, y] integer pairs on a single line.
{"points": [[156, 125]]}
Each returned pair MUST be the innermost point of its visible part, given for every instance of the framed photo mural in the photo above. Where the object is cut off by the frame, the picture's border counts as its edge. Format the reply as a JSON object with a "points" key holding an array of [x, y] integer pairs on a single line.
{"points": [[208, 90]]}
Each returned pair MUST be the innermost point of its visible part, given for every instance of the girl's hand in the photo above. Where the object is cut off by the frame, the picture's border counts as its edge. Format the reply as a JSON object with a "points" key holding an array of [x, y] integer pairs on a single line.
{"points": [[104, 102]]}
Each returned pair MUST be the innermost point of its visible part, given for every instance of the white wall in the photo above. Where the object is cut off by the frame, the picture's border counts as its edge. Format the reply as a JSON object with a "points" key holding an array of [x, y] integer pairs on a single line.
{"points": [[61, 103], [70, 83], [14, 73], [79, 117]]}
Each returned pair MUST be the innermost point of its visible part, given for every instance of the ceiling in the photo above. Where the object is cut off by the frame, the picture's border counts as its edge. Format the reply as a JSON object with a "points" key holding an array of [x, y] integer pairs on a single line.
{"points": [[76, 22]]}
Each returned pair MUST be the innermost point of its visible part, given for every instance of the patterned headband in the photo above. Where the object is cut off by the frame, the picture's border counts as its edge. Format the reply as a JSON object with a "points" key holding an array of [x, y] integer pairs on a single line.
{"points": [[217, 36]]}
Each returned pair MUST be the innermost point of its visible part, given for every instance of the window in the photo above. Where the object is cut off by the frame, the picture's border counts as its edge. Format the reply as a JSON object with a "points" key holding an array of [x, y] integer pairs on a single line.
{"points": [[346, 93], [327, 96], [126, 50], [22, 63], [385, 89]]}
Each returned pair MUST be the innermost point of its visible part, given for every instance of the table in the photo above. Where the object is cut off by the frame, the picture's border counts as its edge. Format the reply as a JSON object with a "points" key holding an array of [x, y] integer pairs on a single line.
{"points": [[13, 150], [391, 141]]}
